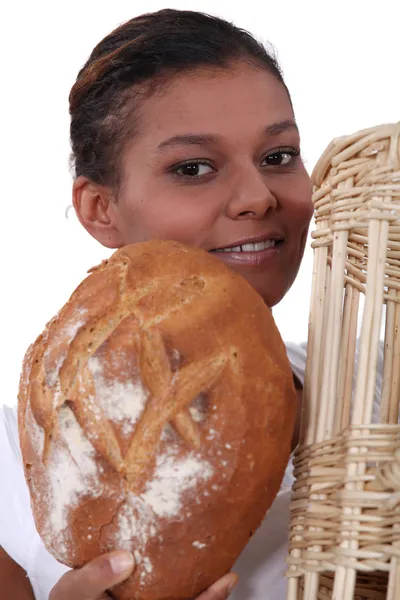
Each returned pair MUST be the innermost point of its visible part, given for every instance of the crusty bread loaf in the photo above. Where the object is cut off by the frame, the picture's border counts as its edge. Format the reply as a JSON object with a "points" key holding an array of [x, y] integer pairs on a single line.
{"points": [[155, 414]]}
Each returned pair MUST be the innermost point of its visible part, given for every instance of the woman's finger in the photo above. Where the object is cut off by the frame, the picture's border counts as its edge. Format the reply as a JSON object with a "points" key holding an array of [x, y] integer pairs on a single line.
{"points": [[91, 581], [221, 589]]}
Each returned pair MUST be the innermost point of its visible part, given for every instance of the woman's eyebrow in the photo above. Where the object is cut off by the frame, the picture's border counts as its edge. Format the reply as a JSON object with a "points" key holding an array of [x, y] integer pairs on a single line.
{"points": [[197, 139], [189, 139], [281, 127]]}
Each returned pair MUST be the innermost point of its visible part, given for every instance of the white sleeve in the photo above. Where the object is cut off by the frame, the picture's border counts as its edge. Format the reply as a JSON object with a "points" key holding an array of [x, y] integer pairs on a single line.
{"points": [[16, 529], [297, 355], [18, 534]]}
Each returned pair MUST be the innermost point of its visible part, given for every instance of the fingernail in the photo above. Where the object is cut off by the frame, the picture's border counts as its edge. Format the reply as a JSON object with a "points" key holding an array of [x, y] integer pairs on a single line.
{"points": [[224, 586], [232, 584], [121, 562]]}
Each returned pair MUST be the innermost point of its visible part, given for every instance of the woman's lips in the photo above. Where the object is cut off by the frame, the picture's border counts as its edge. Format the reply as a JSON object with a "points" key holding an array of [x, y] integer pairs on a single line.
{"points": [[250, 259]]}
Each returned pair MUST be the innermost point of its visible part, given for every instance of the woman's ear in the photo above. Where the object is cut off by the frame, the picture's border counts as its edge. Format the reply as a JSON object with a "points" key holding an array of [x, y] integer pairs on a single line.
{"points": [[94, 207]]}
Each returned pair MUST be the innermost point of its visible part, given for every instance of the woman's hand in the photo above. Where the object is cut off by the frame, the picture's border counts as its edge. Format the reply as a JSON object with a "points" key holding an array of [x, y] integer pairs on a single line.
{"points": [[92, 581]]}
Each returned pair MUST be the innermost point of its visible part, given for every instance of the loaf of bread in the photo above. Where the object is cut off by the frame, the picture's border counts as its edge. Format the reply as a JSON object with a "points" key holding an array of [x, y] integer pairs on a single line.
{"points": [[156, 413]]}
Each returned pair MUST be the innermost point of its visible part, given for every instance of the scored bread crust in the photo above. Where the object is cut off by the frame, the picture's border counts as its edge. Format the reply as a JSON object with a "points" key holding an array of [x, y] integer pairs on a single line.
{"points": [[156, 414]]}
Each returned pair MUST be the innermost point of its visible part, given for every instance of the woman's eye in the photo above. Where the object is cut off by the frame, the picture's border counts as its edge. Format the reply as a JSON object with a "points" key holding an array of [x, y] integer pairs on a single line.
{"points": [[281, 158], [194, 169]]}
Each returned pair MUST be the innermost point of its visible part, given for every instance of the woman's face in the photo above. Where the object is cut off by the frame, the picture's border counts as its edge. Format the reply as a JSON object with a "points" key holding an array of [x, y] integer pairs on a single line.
{"points": [[216, 164]]}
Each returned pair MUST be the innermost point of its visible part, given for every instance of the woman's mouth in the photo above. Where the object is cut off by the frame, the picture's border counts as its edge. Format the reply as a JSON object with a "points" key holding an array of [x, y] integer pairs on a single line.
{"points": [[251, 247], [251, 253]]}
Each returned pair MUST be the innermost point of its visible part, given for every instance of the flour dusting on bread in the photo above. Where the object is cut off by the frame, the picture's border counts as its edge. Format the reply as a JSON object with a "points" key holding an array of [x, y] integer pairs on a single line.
{"points": [[173, 477], [122, 402], [73, 475]]}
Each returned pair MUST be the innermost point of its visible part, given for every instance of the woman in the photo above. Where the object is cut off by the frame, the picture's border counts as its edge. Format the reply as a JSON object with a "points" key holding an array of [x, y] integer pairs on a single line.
{"points": [[181, 128]]}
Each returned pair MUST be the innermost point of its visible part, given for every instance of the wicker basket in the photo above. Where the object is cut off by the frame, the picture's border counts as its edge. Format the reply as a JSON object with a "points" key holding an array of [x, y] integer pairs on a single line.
{"points": [[345, 511]]}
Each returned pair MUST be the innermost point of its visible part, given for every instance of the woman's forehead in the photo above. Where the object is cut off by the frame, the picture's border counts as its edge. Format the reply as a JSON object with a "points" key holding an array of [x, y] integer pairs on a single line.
{"points": [[215, 102]]}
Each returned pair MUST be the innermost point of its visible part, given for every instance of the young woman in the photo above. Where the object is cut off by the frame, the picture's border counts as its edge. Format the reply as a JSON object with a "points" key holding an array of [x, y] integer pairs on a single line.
{"points": [[181, 128]]}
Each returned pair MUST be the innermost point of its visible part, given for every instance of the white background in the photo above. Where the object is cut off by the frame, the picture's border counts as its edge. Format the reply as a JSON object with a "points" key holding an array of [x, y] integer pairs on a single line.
{"points": [[341, 62]]}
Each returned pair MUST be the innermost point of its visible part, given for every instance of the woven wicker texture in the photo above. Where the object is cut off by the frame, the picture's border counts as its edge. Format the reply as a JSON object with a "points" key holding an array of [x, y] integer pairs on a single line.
{"points": [[345, 512]]}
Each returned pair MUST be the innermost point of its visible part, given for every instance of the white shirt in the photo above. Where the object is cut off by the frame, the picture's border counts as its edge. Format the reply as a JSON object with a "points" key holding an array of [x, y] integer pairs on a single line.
{"points": [[261, 566]]}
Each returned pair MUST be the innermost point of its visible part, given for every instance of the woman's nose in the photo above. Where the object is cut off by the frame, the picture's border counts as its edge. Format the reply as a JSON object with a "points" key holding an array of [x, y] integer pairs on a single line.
{"points": [[250, 197]]}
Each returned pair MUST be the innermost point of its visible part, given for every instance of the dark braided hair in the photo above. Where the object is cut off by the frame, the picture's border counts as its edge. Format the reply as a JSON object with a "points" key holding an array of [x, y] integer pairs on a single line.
{"points": [[129, 63]]}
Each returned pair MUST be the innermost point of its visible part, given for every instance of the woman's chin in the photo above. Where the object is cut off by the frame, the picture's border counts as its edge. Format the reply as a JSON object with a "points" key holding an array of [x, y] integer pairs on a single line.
{"points": [[271, 291]]}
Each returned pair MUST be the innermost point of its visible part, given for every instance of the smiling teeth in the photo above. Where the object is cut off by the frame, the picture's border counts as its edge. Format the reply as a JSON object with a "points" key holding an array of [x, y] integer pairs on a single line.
{"points": [[250, 247]]}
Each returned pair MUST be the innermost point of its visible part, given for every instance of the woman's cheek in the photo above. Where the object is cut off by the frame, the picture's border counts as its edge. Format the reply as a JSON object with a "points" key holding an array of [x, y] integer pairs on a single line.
{"points": [[302, 209]]}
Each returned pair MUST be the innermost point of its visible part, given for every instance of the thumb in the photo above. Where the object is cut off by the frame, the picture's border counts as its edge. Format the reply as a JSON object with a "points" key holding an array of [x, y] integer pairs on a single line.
{"points": [[96, 577], [221, 589]]}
